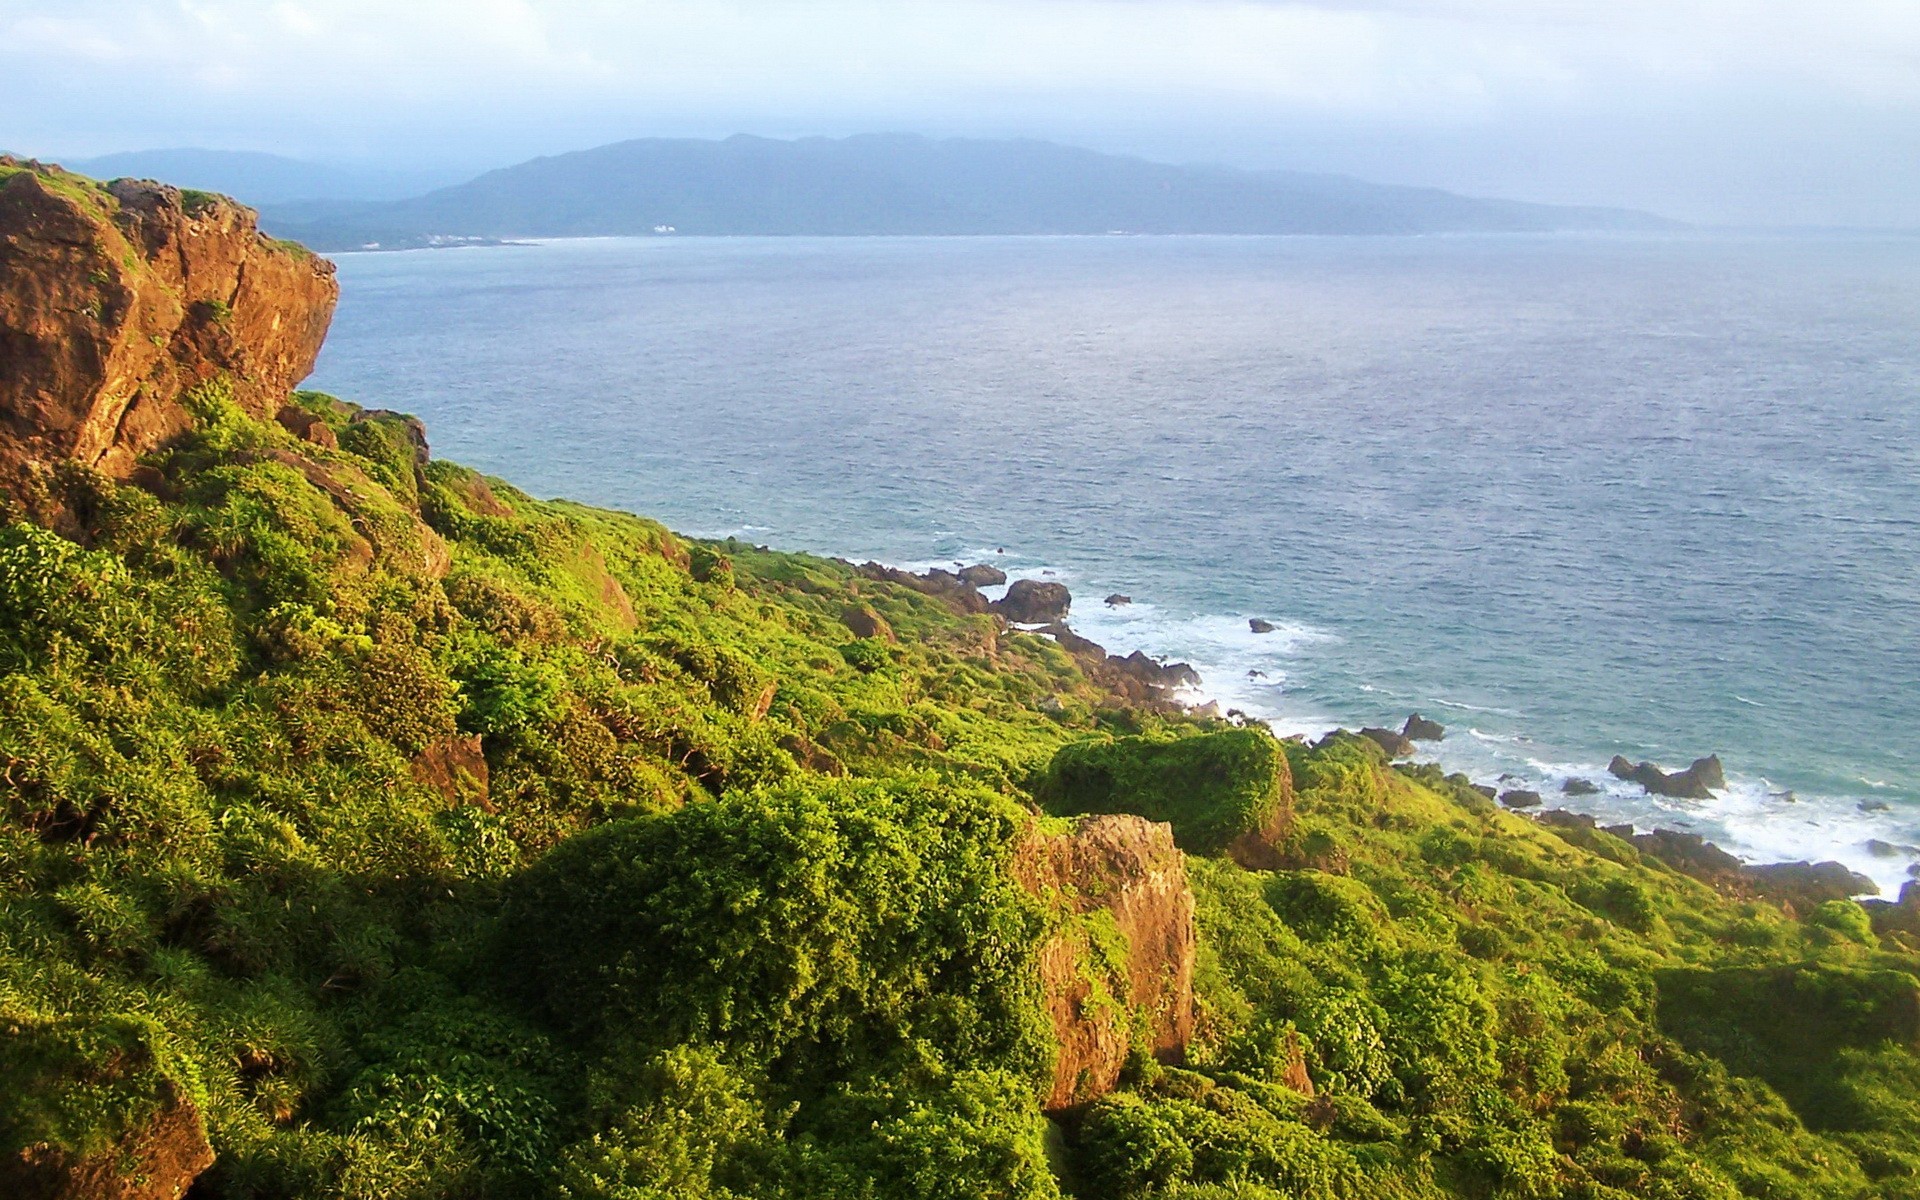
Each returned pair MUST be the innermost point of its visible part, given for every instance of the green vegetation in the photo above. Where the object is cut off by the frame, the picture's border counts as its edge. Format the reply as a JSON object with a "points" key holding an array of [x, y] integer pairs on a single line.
{"points": [[1213, 788], [734, 913]]}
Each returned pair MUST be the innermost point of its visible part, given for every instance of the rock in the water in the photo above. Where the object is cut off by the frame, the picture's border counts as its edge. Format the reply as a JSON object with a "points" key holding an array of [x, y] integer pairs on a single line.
{"points": [[1128, 870], [1579, 787], [982, 575], [1709, 772], [1695, 783], [1875, 806], [1259, 626], [1034, 602], [1880, 849], [1394, 744], [1486, 789], [1902, 917], [1420, 729], [1520, 798], [115, 302], [1119, 600]]}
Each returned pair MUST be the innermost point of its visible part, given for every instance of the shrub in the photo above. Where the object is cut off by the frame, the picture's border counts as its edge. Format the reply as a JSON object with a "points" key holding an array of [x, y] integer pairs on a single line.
{"points": [[1213, 788]]}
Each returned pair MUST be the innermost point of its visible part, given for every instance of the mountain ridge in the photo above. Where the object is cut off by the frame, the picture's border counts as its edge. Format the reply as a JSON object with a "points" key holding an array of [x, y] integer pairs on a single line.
{"points": [[904, 184]]}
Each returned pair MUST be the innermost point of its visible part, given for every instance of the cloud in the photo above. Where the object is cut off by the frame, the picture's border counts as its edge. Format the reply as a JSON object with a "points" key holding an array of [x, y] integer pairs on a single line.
{"points": [[332, 77]]}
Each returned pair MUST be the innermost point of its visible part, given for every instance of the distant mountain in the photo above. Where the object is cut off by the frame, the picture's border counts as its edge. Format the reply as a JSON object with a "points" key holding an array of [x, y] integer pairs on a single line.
{"points": [[259, 179], [902, 184]]}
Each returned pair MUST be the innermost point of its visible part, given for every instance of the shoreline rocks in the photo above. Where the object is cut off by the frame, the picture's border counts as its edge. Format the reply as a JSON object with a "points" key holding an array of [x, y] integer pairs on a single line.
{"points": [[1256, 625], [981, 575], [1034, 602], [1797, 887], [1420, 729], [1698, 782], [1396, 745]]}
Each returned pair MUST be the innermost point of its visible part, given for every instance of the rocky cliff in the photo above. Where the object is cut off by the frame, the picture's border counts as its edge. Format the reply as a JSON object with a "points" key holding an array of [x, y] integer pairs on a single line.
{"points": [[1106, 995], [117, 299]]}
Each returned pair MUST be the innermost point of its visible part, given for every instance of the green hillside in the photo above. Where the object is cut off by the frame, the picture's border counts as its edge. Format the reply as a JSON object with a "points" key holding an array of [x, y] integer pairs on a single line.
{"points": [[369, 828]]}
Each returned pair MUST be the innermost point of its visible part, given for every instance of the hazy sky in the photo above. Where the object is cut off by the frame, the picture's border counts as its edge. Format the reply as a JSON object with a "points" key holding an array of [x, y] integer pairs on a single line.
{"points": [[1773, 111]]}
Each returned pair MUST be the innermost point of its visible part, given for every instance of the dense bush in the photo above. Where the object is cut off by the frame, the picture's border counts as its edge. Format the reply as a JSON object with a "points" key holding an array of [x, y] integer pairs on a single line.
{"points": [[1214, 788], [429, 840]]}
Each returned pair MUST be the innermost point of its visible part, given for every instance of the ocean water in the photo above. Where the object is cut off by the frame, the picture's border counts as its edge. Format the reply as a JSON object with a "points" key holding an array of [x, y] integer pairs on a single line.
{"points": [[1571, 496]]}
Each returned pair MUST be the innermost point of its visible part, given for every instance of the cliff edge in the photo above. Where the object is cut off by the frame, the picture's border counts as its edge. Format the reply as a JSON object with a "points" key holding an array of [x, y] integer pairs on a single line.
{"points": [[118, 298]]}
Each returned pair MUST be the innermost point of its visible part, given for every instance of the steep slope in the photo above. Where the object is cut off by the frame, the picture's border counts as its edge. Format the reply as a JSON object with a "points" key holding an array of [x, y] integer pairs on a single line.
{"points": [[115, 300], [898, 184], [370, 828]]}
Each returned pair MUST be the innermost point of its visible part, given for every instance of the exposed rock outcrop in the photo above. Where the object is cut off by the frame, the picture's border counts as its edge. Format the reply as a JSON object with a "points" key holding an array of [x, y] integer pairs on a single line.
{"points": [[952, 590], [1129, 869], [1420, 729], [1520, 798], [1119, 600], [1258, 625], [1698, 782], [1579, 787], [863, 622], [981, 575], [1034, 602], [117, 299], [1797, 887], [1396, 745], [456, 767], [158, 1161]]}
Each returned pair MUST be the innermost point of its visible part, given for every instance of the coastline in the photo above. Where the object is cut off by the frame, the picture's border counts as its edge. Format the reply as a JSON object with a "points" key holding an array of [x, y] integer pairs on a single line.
{"points": [[1750, 819]]}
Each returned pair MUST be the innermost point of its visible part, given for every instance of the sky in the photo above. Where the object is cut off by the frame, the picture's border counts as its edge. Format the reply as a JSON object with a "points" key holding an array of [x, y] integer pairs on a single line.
{"points": [[1769, 112]]}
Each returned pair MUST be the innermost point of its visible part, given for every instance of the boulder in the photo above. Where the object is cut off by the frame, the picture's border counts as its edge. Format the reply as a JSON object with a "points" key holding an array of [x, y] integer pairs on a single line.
{"points": [[306, 426], [981, 575], [1801, 886], [1119, 600], [1880, 849], [1396, 745], [1874, 806], [1697, 782], [1520, 798], [1420, 729], [1034, 602], [1579, 787], [863, 622], [1900, 917], [1127, 872], [1074, 644], [950, 589], [116, 300], [1259, 626]]}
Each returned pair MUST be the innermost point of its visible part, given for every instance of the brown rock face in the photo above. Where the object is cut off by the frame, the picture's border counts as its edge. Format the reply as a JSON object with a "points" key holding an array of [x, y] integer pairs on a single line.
{"points": [[158, 1162], [117, 299], [456, 767], [1128, 868]]}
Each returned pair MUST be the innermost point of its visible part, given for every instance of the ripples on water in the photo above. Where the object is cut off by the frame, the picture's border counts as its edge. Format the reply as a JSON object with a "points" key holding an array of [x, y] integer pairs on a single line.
{"points": [[1570, 495]]}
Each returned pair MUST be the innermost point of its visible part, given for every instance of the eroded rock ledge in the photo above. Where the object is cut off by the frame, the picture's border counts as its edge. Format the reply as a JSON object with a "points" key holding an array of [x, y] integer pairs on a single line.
{"points": [[1120, 873], [117, 299]]}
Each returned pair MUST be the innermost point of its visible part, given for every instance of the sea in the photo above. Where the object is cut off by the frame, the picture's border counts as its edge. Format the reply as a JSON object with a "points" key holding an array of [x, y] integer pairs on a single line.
{"points": [[1570, 495]]}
